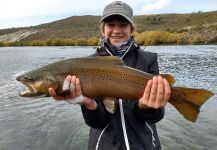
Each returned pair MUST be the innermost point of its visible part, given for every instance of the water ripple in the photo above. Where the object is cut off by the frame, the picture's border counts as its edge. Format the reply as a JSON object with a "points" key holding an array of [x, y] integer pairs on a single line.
{"points": [[45, 124]]}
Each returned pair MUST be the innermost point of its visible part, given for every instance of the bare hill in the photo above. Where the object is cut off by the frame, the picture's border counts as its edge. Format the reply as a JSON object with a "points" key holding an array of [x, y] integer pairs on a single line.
{"points": [[203, 23]]}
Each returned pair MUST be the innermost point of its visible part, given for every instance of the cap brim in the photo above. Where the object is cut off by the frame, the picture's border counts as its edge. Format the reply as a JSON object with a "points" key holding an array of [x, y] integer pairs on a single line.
{"points": [[120, 14]]}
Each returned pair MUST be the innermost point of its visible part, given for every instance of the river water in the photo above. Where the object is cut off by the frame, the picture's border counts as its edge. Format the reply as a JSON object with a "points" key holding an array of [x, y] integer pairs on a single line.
{"points": [[33, 124]]}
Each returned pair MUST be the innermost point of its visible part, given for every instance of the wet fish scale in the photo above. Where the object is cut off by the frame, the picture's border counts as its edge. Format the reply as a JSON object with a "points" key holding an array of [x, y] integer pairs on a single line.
{"points": [[103, 77]]}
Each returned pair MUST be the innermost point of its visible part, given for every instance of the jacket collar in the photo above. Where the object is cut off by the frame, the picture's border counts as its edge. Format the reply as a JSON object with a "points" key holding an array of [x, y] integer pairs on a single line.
{"points": [[106, 49]]}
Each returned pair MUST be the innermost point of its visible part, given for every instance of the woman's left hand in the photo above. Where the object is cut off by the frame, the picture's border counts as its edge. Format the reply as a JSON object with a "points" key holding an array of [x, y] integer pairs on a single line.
{"points": [[156, 94]]}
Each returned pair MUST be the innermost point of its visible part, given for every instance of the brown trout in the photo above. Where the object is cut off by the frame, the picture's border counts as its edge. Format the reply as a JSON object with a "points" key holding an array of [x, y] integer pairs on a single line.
{"points": [[103, 77]]}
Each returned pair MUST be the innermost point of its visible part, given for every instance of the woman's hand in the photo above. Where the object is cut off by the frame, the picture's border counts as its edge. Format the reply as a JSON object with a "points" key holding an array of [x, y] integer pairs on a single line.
{"points": [[156, 94], [72, 83]]}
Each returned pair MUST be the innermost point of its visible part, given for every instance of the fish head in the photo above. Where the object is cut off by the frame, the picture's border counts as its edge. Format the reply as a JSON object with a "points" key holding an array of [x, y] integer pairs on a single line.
{"points": [[37, 83]]}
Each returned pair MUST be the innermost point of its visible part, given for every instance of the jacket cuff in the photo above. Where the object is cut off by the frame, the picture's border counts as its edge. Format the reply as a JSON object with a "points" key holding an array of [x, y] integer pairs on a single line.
{"points": [[85, 110], [95, 118], [150, 115], [146, 111]]}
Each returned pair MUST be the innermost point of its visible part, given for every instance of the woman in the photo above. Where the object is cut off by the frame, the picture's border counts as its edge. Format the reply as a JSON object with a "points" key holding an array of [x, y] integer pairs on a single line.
{"points": [[132, 124]]}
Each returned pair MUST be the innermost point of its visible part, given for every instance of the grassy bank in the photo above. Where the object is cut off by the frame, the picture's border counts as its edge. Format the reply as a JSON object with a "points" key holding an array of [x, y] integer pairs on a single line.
{"points": [[144, 38]]}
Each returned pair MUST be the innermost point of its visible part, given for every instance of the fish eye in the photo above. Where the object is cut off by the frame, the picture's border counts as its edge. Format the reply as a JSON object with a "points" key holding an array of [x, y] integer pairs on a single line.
{"points": [[28, 78]]}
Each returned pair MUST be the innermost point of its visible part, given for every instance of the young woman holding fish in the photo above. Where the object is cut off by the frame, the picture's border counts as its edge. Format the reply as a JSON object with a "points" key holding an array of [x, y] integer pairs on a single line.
{"points": [[115, 123]]}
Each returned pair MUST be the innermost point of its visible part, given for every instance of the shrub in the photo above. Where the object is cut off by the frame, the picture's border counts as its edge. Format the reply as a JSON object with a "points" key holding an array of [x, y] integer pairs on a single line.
{"points": [[81, 42], [93, 41]]}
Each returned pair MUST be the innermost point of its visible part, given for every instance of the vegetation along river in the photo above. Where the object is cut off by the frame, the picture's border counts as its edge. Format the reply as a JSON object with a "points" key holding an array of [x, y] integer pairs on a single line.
{"points": [[33, 124]]}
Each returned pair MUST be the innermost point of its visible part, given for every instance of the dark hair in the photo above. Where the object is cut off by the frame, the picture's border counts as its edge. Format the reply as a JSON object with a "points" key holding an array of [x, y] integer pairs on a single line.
{"points": [[115, 17]]}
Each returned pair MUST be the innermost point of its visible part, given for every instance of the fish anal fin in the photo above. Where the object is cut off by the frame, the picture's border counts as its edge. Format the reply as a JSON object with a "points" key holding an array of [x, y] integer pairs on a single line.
{"points": [[110, 104]]}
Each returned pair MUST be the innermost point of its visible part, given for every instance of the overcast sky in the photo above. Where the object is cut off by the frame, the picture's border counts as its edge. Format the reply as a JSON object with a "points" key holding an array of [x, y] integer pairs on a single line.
{"points": [[23, 13]]}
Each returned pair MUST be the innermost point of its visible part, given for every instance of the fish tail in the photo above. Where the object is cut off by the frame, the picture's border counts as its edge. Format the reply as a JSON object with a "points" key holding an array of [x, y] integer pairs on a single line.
{"points": [[188, 101]]}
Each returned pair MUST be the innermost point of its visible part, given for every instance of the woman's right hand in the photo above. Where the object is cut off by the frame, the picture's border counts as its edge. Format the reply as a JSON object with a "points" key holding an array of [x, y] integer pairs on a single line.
{"points": [[72, 83]]}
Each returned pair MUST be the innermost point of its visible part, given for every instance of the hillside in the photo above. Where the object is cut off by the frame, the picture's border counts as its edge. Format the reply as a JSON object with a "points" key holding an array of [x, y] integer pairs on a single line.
{"points": [[201, 23]]}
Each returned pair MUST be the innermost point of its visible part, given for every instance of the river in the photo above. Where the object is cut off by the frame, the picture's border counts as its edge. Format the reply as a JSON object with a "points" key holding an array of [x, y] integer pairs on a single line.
{"points": [[33, 124]]}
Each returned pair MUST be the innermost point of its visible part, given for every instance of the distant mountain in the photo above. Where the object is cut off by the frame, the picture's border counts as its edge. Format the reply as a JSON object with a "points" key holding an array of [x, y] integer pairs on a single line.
{"points": [[203, 23]]}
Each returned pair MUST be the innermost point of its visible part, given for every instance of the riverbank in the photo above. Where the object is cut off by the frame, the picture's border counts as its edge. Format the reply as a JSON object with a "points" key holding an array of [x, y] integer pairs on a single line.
{"points": [[144, 38]]}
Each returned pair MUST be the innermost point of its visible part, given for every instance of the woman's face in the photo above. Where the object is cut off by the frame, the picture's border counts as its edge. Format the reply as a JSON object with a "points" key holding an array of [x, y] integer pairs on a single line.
{"points": [[117, 31]]}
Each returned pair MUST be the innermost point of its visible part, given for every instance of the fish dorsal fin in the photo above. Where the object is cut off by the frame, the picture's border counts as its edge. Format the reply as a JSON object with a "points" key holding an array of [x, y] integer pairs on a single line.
{"points": [[113, 59], [110, 104], [168, 77]]}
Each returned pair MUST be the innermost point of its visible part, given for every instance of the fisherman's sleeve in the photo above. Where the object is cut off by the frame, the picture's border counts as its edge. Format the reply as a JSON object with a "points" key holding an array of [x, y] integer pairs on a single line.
{"points": [[149, 115], [95, 118]]}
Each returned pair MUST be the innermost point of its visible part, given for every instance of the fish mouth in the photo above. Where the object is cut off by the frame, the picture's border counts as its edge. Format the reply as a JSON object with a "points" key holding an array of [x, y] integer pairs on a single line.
{"points": [[33, 87], [31, 91]]}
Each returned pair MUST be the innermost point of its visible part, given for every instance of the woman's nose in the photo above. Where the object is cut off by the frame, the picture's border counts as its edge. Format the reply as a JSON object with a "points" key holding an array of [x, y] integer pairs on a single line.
{"points": [[116, 29]]}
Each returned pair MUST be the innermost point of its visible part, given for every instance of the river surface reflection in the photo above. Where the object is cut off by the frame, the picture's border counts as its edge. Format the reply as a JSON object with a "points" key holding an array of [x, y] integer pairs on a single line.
{"points": [[48, 125]]}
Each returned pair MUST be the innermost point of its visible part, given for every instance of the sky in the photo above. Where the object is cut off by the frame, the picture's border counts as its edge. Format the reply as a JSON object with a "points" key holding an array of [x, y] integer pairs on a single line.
{"points": [[24, 13]]}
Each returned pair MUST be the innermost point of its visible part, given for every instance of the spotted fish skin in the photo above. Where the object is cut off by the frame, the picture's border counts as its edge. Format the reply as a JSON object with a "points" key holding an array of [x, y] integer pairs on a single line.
{"points": [[103, 77]]}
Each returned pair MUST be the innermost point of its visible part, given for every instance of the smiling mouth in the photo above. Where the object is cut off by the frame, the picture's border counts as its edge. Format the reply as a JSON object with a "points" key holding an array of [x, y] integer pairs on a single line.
{"points": [[116, 37]]}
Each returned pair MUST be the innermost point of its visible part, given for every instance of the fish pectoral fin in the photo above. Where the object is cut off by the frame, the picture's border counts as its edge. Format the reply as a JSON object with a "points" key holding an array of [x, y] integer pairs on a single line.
{"points": [[112, 59], [168, 77], [64, 93], [110, 104]]}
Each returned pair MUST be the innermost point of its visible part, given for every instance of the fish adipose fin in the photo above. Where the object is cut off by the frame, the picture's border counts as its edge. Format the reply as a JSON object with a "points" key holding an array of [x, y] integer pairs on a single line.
{"points": [[169, 78], [188, 101]]}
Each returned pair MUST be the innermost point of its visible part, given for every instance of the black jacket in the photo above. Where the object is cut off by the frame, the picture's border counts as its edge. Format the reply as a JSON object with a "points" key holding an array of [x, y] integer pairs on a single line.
{"points": [[106, 131]]}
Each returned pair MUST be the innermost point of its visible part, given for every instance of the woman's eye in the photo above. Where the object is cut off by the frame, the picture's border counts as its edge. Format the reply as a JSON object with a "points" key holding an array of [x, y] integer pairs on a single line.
{"points": [[124, 25], [110, 25]]}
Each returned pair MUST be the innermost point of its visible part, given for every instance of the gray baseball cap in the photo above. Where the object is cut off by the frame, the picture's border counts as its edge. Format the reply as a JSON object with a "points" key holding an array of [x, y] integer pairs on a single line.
{"points": [[118, 8]]}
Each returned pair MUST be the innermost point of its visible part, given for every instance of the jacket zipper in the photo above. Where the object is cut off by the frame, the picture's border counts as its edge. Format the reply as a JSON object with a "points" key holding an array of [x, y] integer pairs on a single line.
{"points": [[152, 133]]}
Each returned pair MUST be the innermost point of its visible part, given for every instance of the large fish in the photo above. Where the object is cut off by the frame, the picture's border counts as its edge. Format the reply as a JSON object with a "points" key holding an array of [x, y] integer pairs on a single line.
{"points": [[103, 77]]}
